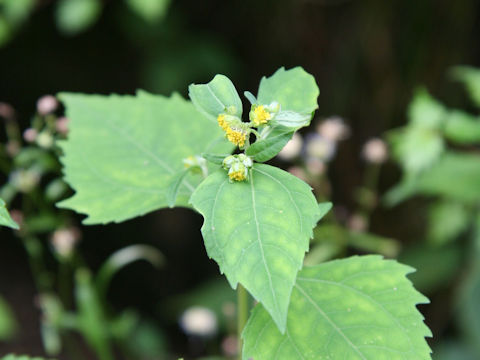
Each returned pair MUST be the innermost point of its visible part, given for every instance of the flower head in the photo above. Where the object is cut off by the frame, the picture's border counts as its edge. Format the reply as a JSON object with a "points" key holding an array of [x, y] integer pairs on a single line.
{"points": [[236, 131], [261, 114], [237, 166]]}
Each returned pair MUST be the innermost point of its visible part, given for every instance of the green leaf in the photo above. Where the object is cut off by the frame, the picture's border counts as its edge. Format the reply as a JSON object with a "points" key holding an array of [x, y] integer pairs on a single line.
{"points": [[123, 152], [5, 218], [416, 148], [75, 16], [215, 158], [470, 77], [462, 128], [150, 10], [291, 119], [174, 187], [265, 149], [21, 357], [8, 324], [455, 176], [426, 112], [294, 89], [258, 231], [447, 220], [355, 308], [216, 97], [250, 97]]}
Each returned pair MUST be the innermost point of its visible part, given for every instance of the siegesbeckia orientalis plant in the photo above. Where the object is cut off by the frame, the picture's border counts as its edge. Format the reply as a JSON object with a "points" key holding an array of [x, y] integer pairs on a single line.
{"points": [[128, 155]]}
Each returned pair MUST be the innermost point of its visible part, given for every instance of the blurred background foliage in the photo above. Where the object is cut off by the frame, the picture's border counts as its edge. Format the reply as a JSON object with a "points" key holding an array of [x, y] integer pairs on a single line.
{"points": [[386, 69]]}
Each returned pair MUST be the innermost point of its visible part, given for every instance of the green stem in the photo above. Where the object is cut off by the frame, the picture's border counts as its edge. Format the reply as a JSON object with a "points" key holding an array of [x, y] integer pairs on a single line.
{"points": [[242, 315]]}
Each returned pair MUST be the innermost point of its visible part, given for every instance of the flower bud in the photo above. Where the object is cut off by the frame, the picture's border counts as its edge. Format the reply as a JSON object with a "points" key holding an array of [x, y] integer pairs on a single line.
{"points": [[61, 125], [375, 151], [47, 104], [334, 129], [45, 140], [237, 166], [197, 163], [30, 135], [199, 321], [64, 241], [292, 149]]}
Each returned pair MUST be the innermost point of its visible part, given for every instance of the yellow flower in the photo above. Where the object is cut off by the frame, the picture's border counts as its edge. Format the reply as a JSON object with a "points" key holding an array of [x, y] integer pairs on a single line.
{"points": [[238, 175], [222, 122], [236, 136], [260, 116]]}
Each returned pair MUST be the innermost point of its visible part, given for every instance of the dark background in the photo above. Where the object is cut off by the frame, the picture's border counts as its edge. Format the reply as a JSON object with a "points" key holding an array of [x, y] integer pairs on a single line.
{"points": [[367, 58]]}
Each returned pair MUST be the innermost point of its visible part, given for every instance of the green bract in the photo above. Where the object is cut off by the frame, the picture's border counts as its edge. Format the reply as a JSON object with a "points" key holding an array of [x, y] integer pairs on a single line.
{"points": [[124, 152], [258, 231], [355, 308], [5, 218]]}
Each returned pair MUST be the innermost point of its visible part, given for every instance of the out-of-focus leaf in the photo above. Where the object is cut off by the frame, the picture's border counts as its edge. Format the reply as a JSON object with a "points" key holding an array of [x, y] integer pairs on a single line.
{"points": [[447, 220], [150, 10], [453, 350], [436, 266], [425, 111], [8, 324], [21, 357], [17, 11], [5, 31], [470, 77], [416, 148], [5, 218], [462, 128], [75, 16], [355, 308], [147, 341]]}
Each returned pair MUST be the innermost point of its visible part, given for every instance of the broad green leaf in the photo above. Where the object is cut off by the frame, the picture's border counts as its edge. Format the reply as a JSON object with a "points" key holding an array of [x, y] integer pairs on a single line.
{"points": [[123, 152], [470, 77], [426, 112], [258, 231], [265, 149], [216, 97], [295, 90], [462, 128], [291, 119], [150, 10], [8, 324], [355, 308], [5, 218], [75, 16]]}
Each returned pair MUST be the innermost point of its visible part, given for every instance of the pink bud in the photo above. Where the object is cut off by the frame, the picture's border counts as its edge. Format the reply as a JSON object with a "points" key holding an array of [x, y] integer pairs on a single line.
{"points": [[61, 125], [30, 135], [47, 104], [375, 151]]}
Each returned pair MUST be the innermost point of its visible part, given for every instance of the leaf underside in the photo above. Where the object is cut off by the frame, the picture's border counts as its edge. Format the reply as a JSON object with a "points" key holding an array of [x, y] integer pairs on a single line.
{"points": [[123, 152], [258, 231], [362, 307]]}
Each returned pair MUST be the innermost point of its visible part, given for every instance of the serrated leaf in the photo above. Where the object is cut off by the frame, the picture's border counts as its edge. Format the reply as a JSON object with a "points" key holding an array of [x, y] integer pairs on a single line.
{"points": [[470, 77], [265, 149], [462, 128], [123, 151], [258, 231], [362, 307], [216, 97], [5, 218], [294, 89]]}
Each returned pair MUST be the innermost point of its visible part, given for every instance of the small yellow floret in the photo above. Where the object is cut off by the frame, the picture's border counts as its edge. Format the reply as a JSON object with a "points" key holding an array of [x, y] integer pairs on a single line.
{"points": [[237, 175], [236, 136], [260, 115], [222, 122]]}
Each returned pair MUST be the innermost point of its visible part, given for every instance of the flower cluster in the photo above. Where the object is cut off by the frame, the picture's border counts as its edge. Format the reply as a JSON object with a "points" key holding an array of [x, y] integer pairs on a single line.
{"points": [[236, 131], [237, 166]]}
